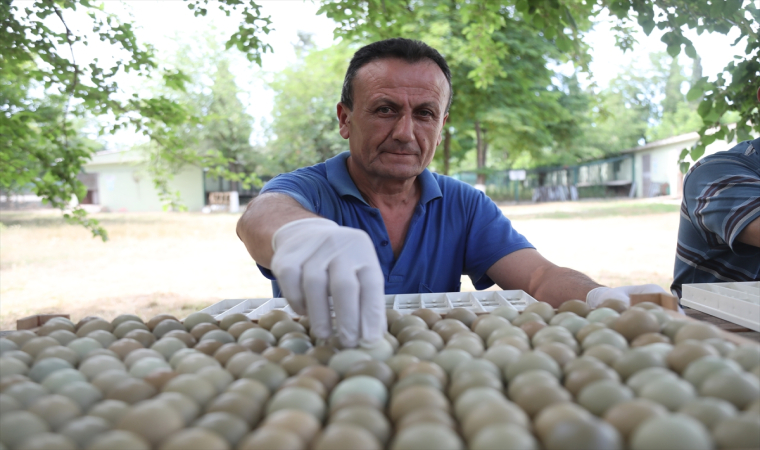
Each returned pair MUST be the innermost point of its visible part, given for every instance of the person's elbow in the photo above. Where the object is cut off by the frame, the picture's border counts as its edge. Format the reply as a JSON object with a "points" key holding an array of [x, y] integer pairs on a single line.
{"points": [[750, 235]]}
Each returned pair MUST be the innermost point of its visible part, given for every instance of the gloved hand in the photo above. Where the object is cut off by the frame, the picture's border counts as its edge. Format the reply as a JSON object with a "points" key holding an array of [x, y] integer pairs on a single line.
{"points": [[315, 258], [600, 294]]}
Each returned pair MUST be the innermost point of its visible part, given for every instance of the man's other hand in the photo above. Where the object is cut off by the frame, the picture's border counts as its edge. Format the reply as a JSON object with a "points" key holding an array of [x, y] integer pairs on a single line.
{"points": [[315, 258], [600, 294]]}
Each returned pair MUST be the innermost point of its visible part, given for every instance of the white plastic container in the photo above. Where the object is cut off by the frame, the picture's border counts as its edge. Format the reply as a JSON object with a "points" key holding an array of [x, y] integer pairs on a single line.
{"points": [[478, 302], [737, 302]]}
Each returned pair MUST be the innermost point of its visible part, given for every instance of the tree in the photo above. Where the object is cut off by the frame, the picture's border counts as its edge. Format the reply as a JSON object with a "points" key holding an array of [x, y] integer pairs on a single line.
{"points": [[40, 145], [304, 128], [563, 22]]}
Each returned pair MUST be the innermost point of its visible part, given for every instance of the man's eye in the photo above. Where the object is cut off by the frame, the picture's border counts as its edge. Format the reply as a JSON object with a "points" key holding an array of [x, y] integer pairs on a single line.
{"points": [[384, 110]]}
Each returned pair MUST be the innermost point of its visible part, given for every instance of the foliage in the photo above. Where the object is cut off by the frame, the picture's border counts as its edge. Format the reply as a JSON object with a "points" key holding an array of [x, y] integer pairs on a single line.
{"points": [[39, 143], [304, 126], [562, 22]]}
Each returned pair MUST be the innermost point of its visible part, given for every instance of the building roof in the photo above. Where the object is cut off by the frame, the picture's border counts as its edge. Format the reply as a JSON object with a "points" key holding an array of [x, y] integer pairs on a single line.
{"points": [[693, 136], [130, 156]]}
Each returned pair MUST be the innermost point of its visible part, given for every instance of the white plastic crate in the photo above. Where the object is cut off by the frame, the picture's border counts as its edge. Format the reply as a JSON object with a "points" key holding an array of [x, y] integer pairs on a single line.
{"points": [[735, 302], [478, 302]]}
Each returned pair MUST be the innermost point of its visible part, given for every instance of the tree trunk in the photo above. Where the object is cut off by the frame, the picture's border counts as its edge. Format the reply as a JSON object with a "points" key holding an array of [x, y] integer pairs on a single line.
{"points": [[481, 147], [446, 151]]}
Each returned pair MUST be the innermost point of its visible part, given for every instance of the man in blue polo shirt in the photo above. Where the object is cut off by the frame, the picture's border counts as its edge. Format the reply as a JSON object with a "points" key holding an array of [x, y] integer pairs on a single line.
{"points": [[719, 232], [374, 220]]}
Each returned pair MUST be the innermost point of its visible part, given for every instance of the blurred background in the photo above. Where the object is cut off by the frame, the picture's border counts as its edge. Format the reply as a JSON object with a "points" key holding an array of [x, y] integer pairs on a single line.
{"points": [[135, 132]]}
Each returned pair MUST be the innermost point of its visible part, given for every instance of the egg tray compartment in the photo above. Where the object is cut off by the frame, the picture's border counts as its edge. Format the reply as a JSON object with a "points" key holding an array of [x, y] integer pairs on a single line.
{"points": [[737, 302], [477, 302]]}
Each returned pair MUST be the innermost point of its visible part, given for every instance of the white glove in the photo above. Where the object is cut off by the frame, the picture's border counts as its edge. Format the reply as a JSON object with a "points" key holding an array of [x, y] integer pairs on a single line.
{"points": [[600, 294], [315, 258]]}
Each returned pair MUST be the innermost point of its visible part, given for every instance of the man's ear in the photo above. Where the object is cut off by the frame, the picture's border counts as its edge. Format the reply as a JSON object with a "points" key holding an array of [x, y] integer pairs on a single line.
{"points": [[443, 127], [344, 120]]}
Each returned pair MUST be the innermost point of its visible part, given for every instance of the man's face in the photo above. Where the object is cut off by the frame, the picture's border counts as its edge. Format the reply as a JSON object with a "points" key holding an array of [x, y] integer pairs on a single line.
{"points": [[399, 111]]}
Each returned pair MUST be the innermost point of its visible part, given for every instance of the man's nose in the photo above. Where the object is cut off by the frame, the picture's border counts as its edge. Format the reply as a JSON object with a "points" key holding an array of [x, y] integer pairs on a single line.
{"points": [[403, 131]]}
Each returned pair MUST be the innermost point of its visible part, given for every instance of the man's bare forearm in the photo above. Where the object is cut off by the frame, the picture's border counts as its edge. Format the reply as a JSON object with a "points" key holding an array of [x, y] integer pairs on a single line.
{"points": [[750, 235], [556, 285], [263, 216]]}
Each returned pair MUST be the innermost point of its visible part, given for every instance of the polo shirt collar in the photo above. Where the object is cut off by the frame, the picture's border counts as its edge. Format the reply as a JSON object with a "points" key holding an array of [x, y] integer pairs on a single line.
{"points": [[340, 180]]}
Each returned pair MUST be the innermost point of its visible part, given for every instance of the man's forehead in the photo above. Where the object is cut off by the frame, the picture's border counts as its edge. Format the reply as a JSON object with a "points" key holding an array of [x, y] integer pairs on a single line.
{"points": [[390, 73]]}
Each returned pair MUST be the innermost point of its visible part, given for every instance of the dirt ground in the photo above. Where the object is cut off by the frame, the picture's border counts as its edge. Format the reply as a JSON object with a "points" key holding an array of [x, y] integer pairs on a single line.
{"points": [[182, 262]]}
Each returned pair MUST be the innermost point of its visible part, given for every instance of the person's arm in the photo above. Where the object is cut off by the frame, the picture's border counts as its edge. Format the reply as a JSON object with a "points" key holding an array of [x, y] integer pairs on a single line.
{"points": [[750, 235], [264, 215], [527, 270]]}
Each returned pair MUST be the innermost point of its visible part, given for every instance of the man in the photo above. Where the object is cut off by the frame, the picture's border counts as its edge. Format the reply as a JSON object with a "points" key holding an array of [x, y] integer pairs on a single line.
{"points": [[375, 220], [719, 232]]}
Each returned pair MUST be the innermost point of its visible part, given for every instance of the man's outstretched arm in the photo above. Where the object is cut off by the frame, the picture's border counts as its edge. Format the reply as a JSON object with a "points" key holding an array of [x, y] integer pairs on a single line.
{"points": [[527, 270], [263, 216]]}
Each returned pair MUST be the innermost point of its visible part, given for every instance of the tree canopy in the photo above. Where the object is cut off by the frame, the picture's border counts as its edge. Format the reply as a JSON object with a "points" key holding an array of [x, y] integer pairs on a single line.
{"points": [[506, 96]]}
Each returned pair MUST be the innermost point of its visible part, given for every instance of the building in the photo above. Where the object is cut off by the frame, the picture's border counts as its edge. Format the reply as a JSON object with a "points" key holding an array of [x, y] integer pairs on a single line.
{"points": [[119, 181], [656, 170], [650, 170]]}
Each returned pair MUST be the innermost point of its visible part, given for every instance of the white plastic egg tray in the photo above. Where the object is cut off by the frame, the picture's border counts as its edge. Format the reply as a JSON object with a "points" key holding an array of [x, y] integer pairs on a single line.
{"points": [[478, 302], [735, 302]]}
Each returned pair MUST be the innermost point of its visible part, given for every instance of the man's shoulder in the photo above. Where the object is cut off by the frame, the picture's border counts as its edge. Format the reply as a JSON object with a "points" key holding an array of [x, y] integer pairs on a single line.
{"points": [[452, 185]]}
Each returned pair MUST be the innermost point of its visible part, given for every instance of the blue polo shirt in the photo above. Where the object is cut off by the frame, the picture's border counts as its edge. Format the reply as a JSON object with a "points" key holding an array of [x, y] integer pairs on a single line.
{"points": [[455, 229], [721, 197]]}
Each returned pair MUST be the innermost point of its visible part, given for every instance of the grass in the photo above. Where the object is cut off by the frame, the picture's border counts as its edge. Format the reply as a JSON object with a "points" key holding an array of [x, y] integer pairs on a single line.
{"points": [[611, 210]]}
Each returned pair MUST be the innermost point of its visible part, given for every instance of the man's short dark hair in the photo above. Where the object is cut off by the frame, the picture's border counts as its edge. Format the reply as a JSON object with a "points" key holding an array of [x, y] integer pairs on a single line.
{"points": [[408, 50]]}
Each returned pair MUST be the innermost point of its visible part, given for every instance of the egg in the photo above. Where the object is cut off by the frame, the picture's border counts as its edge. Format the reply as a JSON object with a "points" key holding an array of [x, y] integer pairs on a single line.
{"points": [[368, 418], [697, 371], [526, 317], [469, 380], [641, 378], [305, 382], [543, 309], [698, 331], [417, 379], [426, 435], [636, 360], [230, 427], [671, 393], [416, 397], [145, 337], [605, 336], [375, 369], [268, 320], [530, 377], [155, 320], [165, 326], [322, 353], [710, 411], [560, 352], [109, 410], [492, 413], [303, 424], [243, 406], [546, 420], [36, 345], [635, 322], [122, 318], [237, 328], [92, 325], [345, 436], [605, 353], [185, 406], [501, 356], [472, 344], [360, 384], [476, 365], [99, 364], [463, 315], [123, 347], [268, 373], [687, 351], [108, 379], [738, 432], [12, 366], [673, 431], [446, 328], [45, 441], [425, 415], [196, 318], [64, 353], [447, 359], [20, 337], [17, 426], [131, 391], [585, 434], [153, 420], [56, 410], [472, 398], [383, 349], [741, 389], [299, 398], [601, 314], [239, 362], [576, 380], [532, 361], [26, 392], [119, 440], [428, 315], [627, 415], [535, 397], [325, 375], [748, 356], [138, 354], [65, 336], [167, 346], [193, 386], [578, 307], [581, 334], [84, 430], [600, 396], [649, 338], [8, 404], [195, 438], [122, 329]]}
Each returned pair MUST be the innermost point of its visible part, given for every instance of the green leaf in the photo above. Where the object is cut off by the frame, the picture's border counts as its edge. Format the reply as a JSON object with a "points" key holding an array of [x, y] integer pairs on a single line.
{"points": [[683, 154], [704, 108], [690, 51], [674, 50], [697, 152], [695, 93], [684, 166], [647, 26]]}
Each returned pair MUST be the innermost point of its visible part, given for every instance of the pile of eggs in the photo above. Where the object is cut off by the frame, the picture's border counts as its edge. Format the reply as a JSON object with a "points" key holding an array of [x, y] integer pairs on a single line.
{"points": [[610, 378]]}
